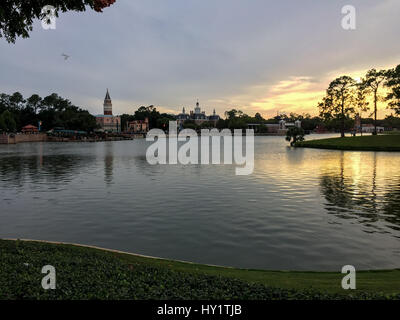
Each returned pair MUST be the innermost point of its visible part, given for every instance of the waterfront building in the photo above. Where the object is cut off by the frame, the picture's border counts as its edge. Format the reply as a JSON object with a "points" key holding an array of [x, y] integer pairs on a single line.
{"points": [[283, 125], [197, 116], [138, 126], [365, 128], [370, 128], [28, 129], [107, 121], [275, 128], [182, 117]]}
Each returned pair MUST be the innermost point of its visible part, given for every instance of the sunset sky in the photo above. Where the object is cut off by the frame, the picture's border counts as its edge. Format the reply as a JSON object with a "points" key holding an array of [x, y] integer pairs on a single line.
{"points": [[257, 56]]}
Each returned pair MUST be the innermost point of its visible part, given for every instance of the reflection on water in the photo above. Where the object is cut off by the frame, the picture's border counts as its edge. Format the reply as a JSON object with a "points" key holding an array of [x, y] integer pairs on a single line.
{"points": [[300, 209], [108, 162], [15, 170], [360, 186]]}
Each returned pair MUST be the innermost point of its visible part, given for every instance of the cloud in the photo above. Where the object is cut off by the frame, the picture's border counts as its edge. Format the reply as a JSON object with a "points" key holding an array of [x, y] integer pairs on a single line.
{"points": [[258, 55]]}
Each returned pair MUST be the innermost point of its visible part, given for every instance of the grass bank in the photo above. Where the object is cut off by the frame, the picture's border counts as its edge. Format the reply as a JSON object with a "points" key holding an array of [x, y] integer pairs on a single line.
{"points": [[89, 273], [360, 143]]}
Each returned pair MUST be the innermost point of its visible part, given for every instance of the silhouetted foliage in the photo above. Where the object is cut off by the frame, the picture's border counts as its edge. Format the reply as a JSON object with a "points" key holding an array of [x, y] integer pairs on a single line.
{"points": [[338, 102], [374, 80], [345, 97], [294, 134], [16, 16], [393, 83], [52, 111]]}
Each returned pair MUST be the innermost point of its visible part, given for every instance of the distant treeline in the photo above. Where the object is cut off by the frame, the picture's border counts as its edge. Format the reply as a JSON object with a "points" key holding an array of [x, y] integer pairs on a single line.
{"points": [[53, 111], [236, 119], [344, 99]]}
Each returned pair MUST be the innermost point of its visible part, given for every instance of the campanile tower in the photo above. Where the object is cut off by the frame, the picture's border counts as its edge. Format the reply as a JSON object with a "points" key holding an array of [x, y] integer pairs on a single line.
{"points": [[107, 105]]}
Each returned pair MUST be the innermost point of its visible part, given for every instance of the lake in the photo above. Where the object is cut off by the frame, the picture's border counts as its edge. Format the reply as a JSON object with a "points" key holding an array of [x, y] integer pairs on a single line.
{"points": [[301, 209]]}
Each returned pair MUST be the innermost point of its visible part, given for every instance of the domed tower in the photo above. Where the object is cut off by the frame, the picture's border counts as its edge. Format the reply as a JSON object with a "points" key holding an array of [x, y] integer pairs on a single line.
{"points": [[197, 110], [107, 105]]}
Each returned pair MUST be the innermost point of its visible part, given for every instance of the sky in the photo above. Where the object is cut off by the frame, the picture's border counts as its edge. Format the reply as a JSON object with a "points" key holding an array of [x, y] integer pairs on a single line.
{"points": [[254, 55]]}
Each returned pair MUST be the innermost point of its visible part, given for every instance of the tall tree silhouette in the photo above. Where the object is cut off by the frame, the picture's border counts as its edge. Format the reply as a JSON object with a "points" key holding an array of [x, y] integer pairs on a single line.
{"points": [[338, 100], [393, 83], [361, 103], [374, 80]]}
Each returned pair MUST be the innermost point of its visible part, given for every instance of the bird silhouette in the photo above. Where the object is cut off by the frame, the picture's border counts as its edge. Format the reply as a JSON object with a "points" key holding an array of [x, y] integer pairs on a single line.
{"points": [[65, 56]]}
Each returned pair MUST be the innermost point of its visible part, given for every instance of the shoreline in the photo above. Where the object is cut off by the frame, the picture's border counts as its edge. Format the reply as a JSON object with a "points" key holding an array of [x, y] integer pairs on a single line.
{"points": [[378, 143], [76, 263], [31, 138], [80, 245]]}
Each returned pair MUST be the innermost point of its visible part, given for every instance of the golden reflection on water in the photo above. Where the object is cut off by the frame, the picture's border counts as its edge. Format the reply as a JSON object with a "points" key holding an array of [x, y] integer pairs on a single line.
{"points": [[353, 185], [363, 186]]}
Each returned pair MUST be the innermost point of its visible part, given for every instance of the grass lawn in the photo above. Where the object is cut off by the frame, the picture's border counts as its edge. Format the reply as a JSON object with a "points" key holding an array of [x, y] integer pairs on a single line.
{"points": [[389, 142], [89, 273]]}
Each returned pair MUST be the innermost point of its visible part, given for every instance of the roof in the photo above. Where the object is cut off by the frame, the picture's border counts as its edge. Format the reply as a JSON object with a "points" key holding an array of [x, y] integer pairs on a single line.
{"points": [[107, 96], [69, 131], [29, 126]]}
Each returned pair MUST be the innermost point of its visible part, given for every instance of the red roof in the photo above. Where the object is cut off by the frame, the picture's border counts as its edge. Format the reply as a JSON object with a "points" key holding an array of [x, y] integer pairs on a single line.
{"points": [[29, 128]]}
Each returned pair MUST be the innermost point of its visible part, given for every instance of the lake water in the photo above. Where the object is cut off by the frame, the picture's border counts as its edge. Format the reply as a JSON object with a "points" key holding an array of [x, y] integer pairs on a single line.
{"points": [[301, 209]]}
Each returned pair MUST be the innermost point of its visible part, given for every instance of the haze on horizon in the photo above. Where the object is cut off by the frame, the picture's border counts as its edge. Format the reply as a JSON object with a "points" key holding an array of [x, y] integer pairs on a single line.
{"points": [[256, 56]]}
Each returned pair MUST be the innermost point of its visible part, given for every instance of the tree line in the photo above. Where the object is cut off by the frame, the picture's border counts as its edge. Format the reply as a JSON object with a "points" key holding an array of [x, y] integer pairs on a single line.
{"points": [[52, 111], [156, 119], [345, 97]]}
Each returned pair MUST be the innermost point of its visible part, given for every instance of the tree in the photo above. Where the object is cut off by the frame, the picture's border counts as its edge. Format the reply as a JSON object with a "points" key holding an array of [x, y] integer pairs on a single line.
{"points": [[338, 100], [3, 126], [16, 16], [34, 102], [8, 121], [125, 118], [232, 114], [221, 124], [294, 134], [149, 112], [391, 122], [361, 103], [393, 83], [258, 117], [16, 101], [207, 125], [374, 80], [54, 111], [309, 123]]}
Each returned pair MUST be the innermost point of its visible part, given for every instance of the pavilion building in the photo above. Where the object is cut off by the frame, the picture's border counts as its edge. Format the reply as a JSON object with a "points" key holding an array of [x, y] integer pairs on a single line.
{"points": [[197, 116], [107, 121]]}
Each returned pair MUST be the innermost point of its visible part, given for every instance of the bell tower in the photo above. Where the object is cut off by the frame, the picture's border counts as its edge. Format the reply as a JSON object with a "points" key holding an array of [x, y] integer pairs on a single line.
{"points": [[107, 105]]}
